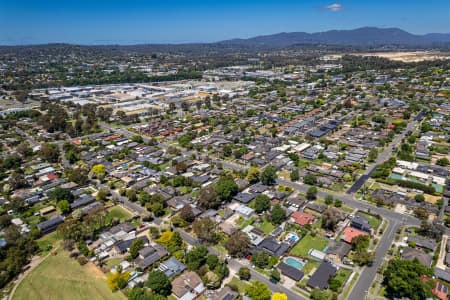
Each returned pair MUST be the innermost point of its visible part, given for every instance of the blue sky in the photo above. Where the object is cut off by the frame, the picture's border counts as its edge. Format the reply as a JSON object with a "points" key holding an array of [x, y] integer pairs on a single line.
{"points": [[179, 21]]}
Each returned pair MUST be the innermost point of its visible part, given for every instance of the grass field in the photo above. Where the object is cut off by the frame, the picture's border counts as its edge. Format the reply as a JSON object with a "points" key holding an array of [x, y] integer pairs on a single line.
{"points": [[308, 242], [60, 277], [117, 212]]}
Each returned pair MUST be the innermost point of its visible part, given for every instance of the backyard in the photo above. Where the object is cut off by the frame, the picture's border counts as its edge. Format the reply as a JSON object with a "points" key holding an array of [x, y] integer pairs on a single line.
{"points": [[60, 277], [308, 242], [117, 212]]}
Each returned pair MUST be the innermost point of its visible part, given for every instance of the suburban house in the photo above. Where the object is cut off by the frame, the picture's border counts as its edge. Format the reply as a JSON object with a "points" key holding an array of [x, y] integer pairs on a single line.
{"points": [[188, 286], [51, 224], [302, 218], [171, 267], [350, 233], [320, 278]]}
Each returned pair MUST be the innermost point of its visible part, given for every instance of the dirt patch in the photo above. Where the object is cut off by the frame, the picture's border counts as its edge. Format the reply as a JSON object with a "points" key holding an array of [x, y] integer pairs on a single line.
{"points": [[95, 271], [409, 56]]}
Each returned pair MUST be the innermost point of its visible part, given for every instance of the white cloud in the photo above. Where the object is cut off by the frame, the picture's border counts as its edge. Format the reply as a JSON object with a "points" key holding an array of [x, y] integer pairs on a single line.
{"points": [[334, 7]]}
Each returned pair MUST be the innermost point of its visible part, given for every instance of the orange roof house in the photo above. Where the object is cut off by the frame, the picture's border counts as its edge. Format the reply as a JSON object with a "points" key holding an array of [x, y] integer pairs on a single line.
{"points": [[350, 233], [440, 291], [302, 218]]}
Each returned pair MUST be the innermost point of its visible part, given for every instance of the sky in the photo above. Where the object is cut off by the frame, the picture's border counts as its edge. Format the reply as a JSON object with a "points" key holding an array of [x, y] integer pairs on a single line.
{"points": [[185, 21]]}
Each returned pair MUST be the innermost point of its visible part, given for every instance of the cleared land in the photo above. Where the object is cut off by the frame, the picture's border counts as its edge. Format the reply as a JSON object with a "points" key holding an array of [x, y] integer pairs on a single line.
{"points": [[59, 277], [409, 56]]}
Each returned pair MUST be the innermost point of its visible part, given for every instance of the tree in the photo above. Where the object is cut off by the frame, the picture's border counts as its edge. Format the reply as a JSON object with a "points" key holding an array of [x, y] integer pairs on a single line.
{"points": [[196, 257], [373, 154], [49, 152], [262, 203], [329, 200], [135, 247], [59, 194], [159, 283], [64, 206], [226, 188], [278, 214], [117, 280], [17, 180], [275, 275], [294, 175], [258, 291], [187, 214], [99, 171], [419, 197], [360, 242], [279, 296], [268, 175], [205, 229], [442, 162], [244, 273], [260, 259], [310, 179], [421, 213], [208, 198], [317, 294], [253, 174], [101, 195], [311, 193], [238, 245], [330, 218], [138, 293], [404, 279]]}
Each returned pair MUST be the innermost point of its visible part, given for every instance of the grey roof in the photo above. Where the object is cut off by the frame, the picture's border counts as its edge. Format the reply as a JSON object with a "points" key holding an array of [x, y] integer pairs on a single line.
{"points": [[412, 253], [244, 197], [290, 271], [171, 267], [322, 275], [50, 224], [82, 201]]}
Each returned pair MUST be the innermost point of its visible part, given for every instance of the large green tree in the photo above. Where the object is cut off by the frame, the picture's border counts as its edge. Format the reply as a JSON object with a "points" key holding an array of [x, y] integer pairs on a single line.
{"points": [[405, 279]]}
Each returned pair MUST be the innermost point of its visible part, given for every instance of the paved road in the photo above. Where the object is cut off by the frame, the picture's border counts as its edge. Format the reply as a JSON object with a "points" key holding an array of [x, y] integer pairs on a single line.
{"points": [[360, 205], [442, 212], [368, 274], [382, 157]]}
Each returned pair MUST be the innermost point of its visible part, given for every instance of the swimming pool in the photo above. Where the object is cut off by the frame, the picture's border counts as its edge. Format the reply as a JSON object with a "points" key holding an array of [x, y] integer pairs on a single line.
{"points": [[294, 262]]}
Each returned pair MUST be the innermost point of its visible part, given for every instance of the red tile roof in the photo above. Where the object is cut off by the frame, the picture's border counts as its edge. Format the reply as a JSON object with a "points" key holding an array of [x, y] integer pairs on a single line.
{"points": [[350, 233], [302, 218]]}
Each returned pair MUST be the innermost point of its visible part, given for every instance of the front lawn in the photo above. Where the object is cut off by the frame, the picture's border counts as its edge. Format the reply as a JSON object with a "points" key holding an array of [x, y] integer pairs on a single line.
{"points": [[240, 284], [302, 248]]}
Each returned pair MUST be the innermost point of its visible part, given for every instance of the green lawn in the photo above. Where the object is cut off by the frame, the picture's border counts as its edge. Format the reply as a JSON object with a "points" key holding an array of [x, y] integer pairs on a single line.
{"points": [[343, 275], [308, 242], [373, 220], [266, 226], [241, 285], [117, 212], [60, 277], [113, 261], [242, 222], [48, 242], [311, 265]]}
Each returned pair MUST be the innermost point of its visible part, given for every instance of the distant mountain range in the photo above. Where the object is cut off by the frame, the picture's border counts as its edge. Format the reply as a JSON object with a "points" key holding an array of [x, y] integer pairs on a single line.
{"points": [[365, 36]]}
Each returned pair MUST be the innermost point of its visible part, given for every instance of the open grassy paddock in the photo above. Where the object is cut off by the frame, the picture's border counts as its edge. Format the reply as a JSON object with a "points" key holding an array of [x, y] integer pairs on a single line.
{"points": [[59, 277]]}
